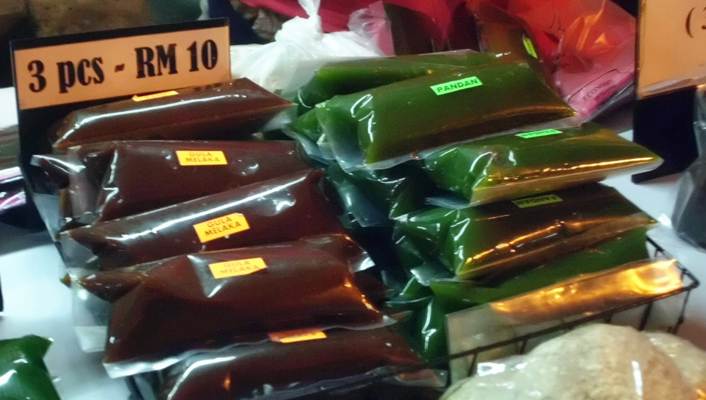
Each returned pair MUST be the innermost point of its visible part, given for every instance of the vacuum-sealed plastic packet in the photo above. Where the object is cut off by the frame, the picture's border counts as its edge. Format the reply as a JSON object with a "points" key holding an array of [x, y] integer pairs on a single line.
{"points": [[24, 375], [387, 125], [440, 296], [523, 164], [110, 180], [277, 210], [502, 238], [373, 198], [240, 293], [457, 294], [219, 111], [346, 77], [289, 363]]}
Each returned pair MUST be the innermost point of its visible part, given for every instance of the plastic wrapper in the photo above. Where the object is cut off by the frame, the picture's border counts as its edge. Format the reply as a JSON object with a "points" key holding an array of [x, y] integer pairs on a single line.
{"points": [[299, 48], [456, 294], [350, 76], [441, 295], [373, 198], [689, 215], [690, 359], [276, 210], [110, 180], [24, 375], [529, 163], [593, 362], [210, 296], [283, 370], [227, 110], [588, 46], [501, 238], [389, 124], [553, 305]]}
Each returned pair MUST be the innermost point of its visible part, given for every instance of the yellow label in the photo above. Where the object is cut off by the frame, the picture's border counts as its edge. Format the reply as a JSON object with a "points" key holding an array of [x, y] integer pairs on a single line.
{"points": [[191, 158], [154, 96], [298, 335], [221, 227], [229, 269]]}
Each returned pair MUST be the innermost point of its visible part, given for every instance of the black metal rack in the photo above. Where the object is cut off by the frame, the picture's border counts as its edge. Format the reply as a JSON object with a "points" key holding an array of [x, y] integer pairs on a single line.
{"points": [[142, 386]]}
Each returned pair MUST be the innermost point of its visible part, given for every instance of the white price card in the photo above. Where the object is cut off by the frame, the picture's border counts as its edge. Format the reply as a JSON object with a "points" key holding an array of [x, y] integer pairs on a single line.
{"points": [[93, 66], [672, 45]]}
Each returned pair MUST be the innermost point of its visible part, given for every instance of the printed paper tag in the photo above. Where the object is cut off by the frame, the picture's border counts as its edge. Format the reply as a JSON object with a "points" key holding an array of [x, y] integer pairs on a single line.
{"points": [[298, 335], [154, 96], [191, 158], [456, 86], [529, 46], [221, 227], [101, 65], [229, 269], [536, 134], [537, 201]]}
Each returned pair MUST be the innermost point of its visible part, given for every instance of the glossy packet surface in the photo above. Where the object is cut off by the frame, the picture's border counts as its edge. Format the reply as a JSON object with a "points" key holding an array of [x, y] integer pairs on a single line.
{"points": [[244, 293], [276, 367], [441, 295], [374, 198], [346, 77], [389, 124], [459, 294], [276, 210], [226, 110], [22, 367], [504, 237], [595, 361], [110, 180], [552, 306], [527, 163]]}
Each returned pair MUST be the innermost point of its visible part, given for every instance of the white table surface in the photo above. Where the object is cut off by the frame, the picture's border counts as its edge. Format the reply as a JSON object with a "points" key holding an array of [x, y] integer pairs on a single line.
{"points": [[36, 303]]}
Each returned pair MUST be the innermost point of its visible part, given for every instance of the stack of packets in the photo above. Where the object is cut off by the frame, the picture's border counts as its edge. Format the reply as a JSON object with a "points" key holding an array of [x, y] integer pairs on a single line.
{"points": [[472, 181], [198, 248]]}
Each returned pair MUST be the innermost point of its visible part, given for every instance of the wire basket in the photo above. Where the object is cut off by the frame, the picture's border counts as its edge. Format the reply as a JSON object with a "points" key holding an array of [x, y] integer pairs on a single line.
{"points": [[143, 386]]}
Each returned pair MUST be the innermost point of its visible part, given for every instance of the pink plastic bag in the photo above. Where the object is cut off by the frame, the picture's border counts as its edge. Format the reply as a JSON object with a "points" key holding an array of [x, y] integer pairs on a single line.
{"points": [[589, 44]]}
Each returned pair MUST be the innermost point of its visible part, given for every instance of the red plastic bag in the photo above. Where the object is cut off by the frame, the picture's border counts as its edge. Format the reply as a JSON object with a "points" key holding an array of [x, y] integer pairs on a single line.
{"points": [[589, 44]]}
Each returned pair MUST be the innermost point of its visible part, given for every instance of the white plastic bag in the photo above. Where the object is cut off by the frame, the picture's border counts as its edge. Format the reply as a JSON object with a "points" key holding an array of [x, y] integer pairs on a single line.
{"points": [[300, 47]]}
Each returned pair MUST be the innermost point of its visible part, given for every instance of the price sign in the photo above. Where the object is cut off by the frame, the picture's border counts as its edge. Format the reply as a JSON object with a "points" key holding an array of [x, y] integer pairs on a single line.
{"points": [[109, 64], [672, 45]]}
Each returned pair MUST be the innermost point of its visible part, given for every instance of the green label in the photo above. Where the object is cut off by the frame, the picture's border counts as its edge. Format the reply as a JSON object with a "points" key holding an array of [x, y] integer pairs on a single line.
{"points": [[455, 86], [536, 134], [529, 46], [536, 201]]}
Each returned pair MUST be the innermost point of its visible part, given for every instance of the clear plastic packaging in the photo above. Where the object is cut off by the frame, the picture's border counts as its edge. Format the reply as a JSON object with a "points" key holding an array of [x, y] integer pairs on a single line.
{"points": [[689, 215], [431, 294], [550, 306], [299, 48], [690, 359], [287, 370], [593, 362], [277, 210], [210, 297], [109, 180], [388, 125], [374, 198], [228, 110], [24, 374], [502, 238], [531, 163], [350, 76]]}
